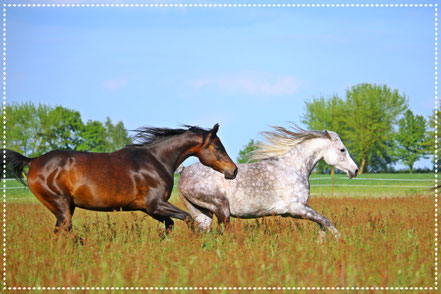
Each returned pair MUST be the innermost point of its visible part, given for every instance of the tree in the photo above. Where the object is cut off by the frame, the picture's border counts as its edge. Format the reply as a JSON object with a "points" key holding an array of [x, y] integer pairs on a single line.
{"points": [[60, 128], [382, 160], [117, 135], [21, 127], [245, 152], [34, 130], [370, 113], [412, 142], [97, 137], [93, 137], [434, 137], [322, 114]]}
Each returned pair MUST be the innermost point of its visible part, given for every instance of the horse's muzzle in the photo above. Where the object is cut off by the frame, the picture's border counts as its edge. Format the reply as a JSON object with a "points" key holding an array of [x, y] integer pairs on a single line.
{"points": [[352, 174], [231, 175]]}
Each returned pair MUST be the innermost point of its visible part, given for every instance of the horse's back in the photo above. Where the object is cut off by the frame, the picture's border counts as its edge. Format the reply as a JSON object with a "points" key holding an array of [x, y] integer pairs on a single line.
{"points": [[199, 179], [69, 161]]}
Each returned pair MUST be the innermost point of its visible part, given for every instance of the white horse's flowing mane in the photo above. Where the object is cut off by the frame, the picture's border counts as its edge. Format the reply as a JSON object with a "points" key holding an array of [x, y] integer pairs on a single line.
{"points": [[282, 140]]}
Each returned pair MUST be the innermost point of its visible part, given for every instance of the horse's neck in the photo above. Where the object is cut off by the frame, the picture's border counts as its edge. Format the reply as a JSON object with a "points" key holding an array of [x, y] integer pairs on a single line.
{"points": [[173, 151], [305, 156]]}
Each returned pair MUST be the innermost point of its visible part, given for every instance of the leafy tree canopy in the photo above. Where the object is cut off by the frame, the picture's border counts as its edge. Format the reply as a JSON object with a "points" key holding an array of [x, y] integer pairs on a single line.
{"points": [[411, 139], [34, 130]]}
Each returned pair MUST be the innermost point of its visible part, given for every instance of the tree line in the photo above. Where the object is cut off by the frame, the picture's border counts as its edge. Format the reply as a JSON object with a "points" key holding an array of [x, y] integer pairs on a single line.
{"points": [[36, 129], [376, 125]]}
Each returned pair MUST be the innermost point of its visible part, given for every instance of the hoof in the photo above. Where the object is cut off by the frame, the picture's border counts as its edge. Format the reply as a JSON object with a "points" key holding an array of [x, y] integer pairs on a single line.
{"points": [[79, 240], [322, 237], [163, 235], [342, 241]]}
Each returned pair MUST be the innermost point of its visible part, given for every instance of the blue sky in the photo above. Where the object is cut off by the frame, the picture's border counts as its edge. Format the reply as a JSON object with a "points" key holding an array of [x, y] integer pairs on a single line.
{"points": [[244, 68]]}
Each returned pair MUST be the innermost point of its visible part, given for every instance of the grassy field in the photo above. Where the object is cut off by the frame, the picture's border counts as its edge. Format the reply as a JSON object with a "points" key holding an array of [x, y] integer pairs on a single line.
{"points": [[389, 242]]}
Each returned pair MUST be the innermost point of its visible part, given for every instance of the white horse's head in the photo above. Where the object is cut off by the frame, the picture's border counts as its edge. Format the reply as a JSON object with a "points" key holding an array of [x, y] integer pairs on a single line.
{"points": [[337, 155]]}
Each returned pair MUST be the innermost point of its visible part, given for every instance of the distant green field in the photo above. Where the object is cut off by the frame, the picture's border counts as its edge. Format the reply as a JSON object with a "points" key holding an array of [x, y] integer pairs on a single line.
{"points": [[364, 185], [373, 184]]}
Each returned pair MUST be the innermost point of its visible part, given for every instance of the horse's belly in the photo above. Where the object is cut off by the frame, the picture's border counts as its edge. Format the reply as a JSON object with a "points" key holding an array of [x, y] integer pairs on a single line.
{"points": [[247, 208], [106, 205], [95, 198]]}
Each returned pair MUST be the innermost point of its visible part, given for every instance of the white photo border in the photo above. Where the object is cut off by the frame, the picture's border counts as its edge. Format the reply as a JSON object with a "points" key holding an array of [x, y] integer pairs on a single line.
{"points": [[433, 6]]}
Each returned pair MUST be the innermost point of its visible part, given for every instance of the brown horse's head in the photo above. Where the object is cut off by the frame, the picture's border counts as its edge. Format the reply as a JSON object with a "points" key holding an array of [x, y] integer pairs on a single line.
{"points": [[212, 153]]}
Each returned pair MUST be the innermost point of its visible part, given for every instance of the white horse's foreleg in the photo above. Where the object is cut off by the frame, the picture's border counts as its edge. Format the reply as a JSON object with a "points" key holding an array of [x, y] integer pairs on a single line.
{"points": [[306, 212], [322, 234]]}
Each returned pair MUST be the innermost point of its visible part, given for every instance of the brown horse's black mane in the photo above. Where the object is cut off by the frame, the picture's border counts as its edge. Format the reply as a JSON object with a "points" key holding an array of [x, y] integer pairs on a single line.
{"points": [[150, 135]]}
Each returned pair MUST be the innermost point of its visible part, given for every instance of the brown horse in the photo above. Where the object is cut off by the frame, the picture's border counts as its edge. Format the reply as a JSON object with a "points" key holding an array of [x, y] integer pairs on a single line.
{"points": [[137, 177]]}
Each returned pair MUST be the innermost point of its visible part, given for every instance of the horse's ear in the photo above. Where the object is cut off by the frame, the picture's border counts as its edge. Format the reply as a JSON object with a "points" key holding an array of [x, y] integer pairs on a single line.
{"points": [[214, 129], [327, 135]]}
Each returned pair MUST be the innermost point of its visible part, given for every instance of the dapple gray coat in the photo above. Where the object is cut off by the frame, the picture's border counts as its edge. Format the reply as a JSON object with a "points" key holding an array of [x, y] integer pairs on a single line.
{"points": [[276, 185]]}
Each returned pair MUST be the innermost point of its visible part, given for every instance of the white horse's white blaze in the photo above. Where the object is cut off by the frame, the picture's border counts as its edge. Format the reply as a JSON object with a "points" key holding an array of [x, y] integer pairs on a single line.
{"points": [[276, 185]]}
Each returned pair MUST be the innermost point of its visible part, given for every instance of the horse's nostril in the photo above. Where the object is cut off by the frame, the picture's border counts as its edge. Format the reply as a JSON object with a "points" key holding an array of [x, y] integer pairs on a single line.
{"points": [[235, 172], [356, 171]]}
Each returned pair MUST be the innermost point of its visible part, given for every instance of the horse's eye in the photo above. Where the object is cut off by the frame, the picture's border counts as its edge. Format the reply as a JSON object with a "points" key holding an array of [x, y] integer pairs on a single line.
{"points": [[217, 147], [342, 150]]}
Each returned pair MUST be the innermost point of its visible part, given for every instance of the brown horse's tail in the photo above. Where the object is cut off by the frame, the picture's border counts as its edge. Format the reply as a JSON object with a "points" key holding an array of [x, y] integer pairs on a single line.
{"points": [[16, 162]]}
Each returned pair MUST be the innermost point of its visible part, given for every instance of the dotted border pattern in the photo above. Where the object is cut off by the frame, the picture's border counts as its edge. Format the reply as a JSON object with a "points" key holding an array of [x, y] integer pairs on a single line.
{"points": [[222, 288], [436, 143], [220, 5], [4, 142]]}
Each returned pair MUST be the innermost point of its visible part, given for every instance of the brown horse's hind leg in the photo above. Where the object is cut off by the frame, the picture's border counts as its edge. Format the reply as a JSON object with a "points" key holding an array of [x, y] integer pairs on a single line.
{"points": [[165, 210], [61, 206], [166, 220], [64, 220]]}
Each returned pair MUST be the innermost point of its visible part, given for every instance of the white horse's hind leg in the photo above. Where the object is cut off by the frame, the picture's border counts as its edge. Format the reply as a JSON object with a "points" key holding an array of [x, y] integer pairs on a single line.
{"points": [[306, 212], [203, 222], [201, 216]]}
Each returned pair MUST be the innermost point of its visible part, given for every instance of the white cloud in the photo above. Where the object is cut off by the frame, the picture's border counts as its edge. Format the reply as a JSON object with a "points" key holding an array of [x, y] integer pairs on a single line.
{"points": [[113, 85], [251, 83]]}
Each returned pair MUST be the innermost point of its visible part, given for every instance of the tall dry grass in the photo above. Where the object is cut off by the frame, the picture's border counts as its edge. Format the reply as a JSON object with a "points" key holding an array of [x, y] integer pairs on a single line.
{"points": [[388, 242]]}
